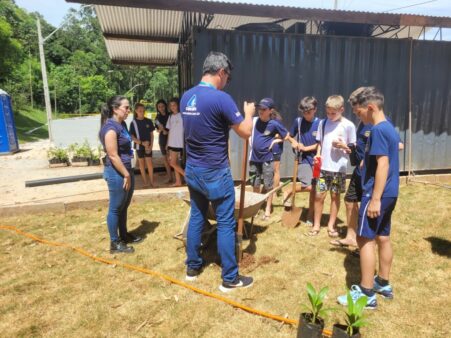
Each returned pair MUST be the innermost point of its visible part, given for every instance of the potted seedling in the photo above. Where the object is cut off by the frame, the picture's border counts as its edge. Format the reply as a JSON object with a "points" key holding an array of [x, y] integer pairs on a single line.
{"points": [[81, 155], [354, 319], [95, 156], [58, 157], [311, 324]]}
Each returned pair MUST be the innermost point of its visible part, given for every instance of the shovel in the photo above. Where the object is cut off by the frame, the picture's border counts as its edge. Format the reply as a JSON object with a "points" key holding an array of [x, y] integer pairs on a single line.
{"points": [[290, 216], [239, 230]]}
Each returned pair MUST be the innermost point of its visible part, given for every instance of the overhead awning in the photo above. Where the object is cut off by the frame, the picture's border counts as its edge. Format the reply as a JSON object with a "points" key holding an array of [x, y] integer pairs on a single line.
{"points": [[150, 31]]}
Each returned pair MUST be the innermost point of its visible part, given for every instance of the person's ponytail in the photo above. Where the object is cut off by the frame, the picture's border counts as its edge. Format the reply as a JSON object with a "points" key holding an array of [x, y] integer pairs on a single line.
{"points": [[105, 114], [107, 109]]}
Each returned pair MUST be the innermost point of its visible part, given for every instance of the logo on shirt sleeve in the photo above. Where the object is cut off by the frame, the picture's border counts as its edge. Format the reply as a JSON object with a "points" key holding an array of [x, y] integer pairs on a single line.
{"points": [[237, 114], [314, 133], [192, 104], [367, 133]]}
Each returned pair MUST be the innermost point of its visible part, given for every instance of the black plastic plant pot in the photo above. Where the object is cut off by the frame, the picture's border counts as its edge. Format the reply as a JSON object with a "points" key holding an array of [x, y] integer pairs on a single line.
{"points": [[339, 331], [307, 329], [94, 162], [80, 159]]}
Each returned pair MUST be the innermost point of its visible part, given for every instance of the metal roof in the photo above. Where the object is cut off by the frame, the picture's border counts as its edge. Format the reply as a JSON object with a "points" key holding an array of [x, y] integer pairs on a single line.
{"points": [[149, 31]]}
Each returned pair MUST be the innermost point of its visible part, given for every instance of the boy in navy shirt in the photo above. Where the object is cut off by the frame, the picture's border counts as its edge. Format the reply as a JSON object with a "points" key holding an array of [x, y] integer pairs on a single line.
{"points": [[304, 129], [261, 164], [380, 184]]}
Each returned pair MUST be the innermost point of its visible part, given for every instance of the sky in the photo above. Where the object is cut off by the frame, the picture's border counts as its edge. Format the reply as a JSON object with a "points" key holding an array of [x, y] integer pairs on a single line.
{"points": [[55, 10]]}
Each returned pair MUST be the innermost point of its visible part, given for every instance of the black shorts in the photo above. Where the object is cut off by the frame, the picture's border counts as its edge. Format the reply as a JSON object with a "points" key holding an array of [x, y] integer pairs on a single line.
{"points": [[354, 192], [276, 157], [141, 153], [177, 150]]}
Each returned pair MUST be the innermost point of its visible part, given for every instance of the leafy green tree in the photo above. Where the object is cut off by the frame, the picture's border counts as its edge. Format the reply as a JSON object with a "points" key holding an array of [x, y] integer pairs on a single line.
{"points": [[10, 52]]}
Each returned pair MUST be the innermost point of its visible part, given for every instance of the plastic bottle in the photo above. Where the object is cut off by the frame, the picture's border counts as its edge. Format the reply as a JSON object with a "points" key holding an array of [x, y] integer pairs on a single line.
{"points": [[317, 167]]}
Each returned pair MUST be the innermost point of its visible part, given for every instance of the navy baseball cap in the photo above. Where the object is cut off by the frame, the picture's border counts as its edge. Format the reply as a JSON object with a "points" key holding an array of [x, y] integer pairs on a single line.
{"points": [[266, 103]]}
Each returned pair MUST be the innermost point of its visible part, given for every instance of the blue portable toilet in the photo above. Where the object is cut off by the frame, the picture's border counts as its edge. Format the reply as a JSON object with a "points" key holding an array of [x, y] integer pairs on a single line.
{"points": [[8, 136]]}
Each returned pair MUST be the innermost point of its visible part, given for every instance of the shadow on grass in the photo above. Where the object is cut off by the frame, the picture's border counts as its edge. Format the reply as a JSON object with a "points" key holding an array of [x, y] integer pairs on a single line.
{"points": [[256, 229], [351, 263], [145, 228], [209, 248], [440, 246]]}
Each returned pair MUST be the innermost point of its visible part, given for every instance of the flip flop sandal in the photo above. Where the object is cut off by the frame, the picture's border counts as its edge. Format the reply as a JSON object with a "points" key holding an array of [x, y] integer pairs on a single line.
{"points": [[337, 242], [333, 233], [312, 233]]}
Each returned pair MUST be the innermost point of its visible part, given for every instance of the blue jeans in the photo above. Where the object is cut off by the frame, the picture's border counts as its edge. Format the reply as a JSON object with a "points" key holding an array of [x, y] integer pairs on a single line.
{"points": [[119, 201], [216, 186]]}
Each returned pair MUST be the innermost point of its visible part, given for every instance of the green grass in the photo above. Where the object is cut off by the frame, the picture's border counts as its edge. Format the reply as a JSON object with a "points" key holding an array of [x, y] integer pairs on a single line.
{"points": [[53, 292], [27, 119]]}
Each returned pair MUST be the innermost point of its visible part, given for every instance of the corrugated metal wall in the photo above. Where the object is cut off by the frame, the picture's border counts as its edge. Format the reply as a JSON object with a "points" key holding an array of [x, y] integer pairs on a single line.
{"points": [[288, 67]]}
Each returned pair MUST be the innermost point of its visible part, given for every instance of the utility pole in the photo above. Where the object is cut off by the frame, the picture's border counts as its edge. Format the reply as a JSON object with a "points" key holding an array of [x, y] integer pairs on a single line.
{"points": [[79, 98], [56, 110], [48, 107]]}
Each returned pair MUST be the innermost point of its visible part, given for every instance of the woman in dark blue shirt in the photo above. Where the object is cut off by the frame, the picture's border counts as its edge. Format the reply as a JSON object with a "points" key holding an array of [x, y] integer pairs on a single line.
{"points": [[118, 172]]}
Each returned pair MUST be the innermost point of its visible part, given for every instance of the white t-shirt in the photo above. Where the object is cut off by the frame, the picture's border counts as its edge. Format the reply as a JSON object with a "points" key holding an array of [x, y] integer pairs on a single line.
{"points": [[333, 159], [175, 126]]}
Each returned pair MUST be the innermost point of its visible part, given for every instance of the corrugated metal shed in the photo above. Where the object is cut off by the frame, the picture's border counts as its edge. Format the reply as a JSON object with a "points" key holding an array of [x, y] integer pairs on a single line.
{"points": [[149, 22], [289, 67]]}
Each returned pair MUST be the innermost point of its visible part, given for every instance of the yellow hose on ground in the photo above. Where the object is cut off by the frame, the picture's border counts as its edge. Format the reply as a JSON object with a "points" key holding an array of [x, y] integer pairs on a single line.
{"points": [[80, 251]]}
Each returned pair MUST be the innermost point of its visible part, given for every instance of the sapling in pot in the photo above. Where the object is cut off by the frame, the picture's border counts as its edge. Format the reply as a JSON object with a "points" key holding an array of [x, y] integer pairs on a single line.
{"points": [[311, 323], [58, 157], [354, 319]]}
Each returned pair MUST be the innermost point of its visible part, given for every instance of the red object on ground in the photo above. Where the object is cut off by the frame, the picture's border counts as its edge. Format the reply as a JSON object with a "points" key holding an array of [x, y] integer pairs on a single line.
{"points": [[317, 167]]}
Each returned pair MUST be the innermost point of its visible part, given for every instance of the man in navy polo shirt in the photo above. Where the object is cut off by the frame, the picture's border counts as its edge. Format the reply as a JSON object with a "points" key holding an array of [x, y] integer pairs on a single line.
{"points": [[208, 115], [261, 165], [380, 185]]}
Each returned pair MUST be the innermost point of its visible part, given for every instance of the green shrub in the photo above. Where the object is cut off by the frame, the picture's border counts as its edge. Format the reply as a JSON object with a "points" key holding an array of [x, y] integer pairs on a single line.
{"points": [[58, 154]]}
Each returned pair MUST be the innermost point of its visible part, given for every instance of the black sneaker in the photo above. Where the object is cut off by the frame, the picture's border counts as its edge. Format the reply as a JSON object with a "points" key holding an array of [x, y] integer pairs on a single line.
{"points": [[191, 274], [130, 238], [120, 247], [239, 282]]}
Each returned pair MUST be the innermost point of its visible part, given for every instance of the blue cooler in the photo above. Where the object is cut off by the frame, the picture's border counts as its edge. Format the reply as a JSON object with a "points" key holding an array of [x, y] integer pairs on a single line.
{"points": [[8, 136]]}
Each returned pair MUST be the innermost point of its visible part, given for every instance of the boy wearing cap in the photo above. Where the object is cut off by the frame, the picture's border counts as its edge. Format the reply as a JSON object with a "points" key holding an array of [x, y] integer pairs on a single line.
{"points": [[380, 184], [261, 165]]}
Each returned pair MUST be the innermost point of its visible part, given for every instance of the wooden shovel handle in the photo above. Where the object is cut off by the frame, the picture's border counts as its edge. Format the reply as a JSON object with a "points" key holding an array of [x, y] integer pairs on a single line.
{"points": [[295, 175], [243, 188]]}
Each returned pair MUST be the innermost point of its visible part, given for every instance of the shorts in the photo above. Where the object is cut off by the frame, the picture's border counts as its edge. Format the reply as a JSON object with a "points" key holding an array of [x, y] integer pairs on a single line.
{"points": [[354, 192], [141, 153], [380, 226], [331, 181], [262, 171], [177, 150], [276, 157], [305, 175]]}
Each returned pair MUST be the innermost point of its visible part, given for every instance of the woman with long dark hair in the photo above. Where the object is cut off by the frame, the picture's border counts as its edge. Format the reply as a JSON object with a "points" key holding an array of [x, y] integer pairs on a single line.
{"points": [[118, 172], [160, 123]]}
